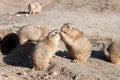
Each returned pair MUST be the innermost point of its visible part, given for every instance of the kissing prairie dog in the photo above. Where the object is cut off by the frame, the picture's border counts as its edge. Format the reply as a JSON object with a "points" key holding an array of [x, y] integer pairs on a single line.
{"points": [[32, 32], [77, 44], [45, 50], [34, 8], [113, 52]]}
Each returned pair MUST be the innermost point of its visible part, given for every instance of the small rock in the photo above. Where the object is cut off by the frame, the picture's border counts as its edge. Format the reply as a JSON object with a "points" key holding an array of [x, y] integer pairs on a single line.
{"points": [[18, 73], [4, 75], [54, 73], [18, 15], [24, 73], [26, 15], [47, 77]]}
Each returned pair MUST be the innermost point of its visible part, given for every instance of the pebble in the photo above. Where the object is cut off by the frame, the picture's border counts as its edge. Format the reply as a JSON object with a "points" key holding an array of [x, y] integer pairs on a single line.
{"points": [[26, 15], [54, 73], [18, 15]]}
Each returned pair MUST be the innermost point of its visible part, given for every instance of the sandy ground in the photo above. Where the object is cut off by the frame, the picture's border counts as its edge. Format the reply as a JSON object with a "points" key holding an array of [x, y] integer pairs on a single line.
{"points": [[98, 19]]}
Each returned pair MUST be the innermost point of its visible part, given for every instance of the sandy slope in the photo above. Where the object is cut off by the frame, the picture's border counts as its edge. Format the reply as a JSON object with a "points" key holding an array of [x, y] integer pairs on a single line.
{"points": [[98, 19]]}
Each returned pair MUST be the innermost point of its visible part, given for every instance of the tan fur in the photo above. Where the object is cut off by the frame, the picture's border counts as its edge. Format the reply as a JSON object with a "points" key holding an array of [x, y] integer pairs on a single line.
{"points": [[34, 8], [113, 52], [32, 32], [105, 51], [79, 47], [45, 50]]}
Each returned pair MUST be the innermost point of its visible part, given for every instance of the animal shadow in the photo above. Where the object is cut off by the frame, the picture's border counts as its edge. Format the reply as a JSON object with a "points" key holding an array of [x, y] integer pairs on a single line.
{"points": [[8, 43], [99, 55], [62, 53], [23, 12], [95, 54], [20, 56]]}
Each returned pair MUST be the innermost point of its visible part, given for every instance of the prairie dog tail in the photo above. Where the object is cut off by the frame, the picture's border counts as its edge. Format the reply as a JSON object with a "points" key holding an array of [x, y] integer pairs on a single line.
{"points": [[105, 50]]}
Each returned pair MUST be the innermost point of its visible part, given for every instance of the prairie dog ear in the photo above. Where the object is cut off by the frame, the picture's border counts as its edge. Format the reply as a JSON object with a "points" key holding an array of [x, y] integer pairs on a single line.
{"points": [[65, 24], [73, 26], [58, 31]]}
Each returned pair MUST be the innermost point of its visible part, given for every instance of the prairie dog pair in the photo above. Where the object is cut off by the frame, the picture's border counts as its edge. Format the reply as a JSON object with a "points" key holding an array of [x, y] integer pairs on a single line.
{"points": [[32, 32], [113, 52], [77, 44], [34, 8], [45, 50]]}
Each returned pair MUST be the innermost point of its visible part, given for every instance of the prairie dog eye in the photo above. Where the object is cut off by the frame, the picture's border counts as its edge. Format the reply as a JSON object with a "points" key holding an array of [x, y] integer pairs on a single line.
{"points": [[68, 26], [52, 35], [56, 32]]}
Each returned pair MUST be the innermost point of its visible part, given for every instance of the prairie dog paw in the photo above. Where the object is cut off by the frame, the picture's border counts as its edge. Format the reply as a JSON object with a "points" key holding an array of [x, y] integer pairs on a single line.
{"points": [[55, 56], [75, 61]]}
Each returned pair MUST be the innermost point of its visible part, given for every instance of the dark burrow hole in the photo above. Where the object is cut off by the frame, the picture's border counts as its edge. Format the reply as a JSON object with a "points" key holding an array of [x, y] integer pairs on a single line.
{"points": [[8, 43]]}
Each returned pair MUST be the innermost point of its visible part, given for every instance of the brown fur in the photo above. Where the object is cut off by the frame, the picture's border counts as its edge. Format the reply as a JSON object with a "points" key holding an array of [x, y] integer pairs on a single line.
{"points": [[113, 52], [79, 47], [34, 8], [32, 32], [45, 50]]}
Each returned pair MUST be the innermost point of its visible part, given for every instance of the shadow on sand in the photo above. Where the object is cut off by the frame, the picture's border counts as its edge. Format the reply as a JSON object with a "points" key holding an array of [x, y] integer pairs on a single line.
{"points": [[99, 55], [22, 12], [94, 54], [62, 53], [20, 56]]}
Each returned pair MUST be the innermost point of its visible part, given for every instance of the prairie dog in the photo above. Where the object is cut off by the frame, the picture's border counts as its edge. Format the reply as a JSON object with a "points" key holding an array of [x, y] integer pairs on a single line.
{"points": [[45, 50], [34, 8], [113, 52], [77, 44], [32, 32]]}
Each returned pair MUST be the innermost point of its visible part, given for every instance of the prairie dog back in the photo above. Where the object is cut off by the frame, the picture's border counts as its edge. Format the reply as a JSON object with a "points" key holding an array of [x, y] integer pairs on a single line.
{"points": [[32, 32]]}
